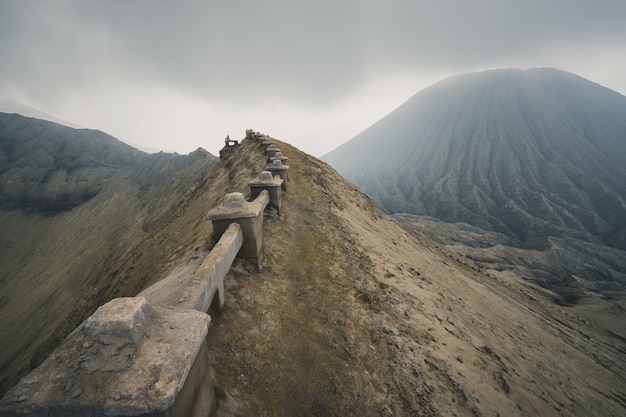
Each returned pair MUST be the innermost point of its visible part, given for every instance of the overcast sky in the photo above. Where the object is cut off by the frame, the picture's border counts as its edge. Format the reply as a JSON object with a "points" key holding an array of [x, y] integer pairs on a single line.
{"points": [[182, 75]]}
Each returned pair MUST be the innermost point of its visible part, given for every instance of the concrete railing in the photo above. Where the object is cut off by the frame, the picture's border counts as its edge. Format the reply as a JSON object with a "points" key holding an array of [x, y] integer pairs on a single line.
{"points": [[249, 215], [210, 275], [147, 355]]}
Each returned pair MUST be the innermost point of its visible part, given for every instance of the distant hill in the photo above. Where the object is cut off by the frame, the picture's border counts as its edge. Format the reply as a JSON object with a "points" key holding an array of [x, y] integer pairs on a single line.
{"points": [[529, 154], [12, 106], [75, 207]]}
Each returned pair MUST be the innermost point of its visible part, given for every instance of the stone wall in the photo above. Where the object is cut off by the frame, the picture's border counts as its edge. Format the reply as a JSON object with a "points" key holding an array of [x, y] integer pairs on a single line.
{"points": [[147, 355]]}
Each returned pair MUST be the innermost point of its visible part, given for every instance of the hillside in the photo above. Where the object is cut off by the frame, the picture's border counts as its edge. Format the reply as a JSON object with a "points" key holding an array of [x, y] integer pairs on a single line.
{"points": [[538, 156], [353, 314], [80, 216]]}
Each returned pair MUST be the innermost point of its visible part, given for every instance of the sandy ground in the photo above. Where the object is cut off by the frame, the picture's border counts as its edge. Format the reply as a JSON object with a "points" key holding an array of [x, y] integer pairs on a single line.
{"points": [[354, 315]]}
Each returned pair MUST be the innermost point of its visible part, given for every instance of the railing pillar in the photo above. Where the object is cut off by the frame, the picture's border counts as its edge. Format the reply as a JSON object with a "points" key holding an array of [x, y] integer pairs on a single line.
{"points": [[266, 142], [278, 156], [277, 167], [266, 181], [271, 150], [235, 209]]}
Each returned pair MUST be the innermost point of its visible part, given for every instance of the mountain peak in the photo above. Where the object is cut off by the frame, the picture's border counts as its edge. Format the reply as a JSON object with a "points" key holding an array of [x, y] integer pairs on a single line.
{"points": [[530, 154]]}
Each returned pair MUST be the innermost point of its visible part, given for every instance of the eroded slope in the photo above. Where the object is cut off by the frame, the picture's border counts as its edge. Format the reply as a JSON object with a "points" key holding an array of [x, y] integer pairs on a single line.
{"points": [[529, 154]]}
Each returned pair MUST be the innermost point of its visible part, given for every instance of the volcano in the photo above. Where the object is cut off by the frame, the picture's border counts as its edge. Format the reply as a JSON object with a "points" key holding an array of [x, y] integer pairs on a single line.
{"points": [[537, 157]]}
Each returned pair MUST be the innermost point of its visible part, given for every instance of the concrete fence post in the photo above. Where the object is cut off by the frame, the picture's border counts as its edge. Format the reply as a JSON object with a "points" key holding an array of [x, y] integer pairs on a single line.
{"points": [[265, 142], [271, 150], [235, 209], [266, 181], [277, 167], [230, 142], [278, 156]]}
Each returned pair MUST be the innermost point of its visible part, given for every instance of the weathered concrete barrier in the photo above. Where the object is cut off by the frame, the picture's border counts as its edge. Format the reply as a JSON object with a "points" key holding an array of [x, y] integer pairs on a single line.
{"points": [[147, 355], [277, 167], [127, 359], [235, 208], [266, 142], [209, 278], [196, 287], [272, 184], [230, 142], [278, 156], [262, 139], [251, 134], [271, 150]]}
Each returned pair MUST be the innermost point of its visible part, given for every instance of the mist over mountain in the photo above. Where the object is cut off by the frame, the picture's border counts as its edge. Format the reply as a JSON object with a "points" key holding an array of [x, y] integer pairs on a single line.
{"points": [[525, 153], [528, 154], [47, 168], [12, 106]]}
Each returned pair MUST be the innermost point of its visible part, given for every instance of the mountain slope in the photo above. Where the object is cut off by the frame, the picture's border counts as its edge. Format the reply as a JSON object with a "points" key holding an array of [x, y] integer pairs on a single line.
{"points": [[529, 154], [353, 314], [78, 214]]}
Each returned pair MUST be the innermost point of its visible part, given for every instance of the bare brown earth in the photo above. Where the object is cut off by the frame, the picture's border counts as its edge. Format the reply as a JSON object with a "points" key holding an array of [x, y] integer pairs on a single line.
{"points": [[352, 314]]}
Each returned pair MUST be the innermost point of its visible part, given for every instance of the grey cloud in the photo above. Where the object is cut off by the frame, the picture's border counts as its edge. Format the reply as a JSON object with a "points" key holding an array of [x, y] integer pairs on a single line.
{"points": [[309, 54], [301, 51]]}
